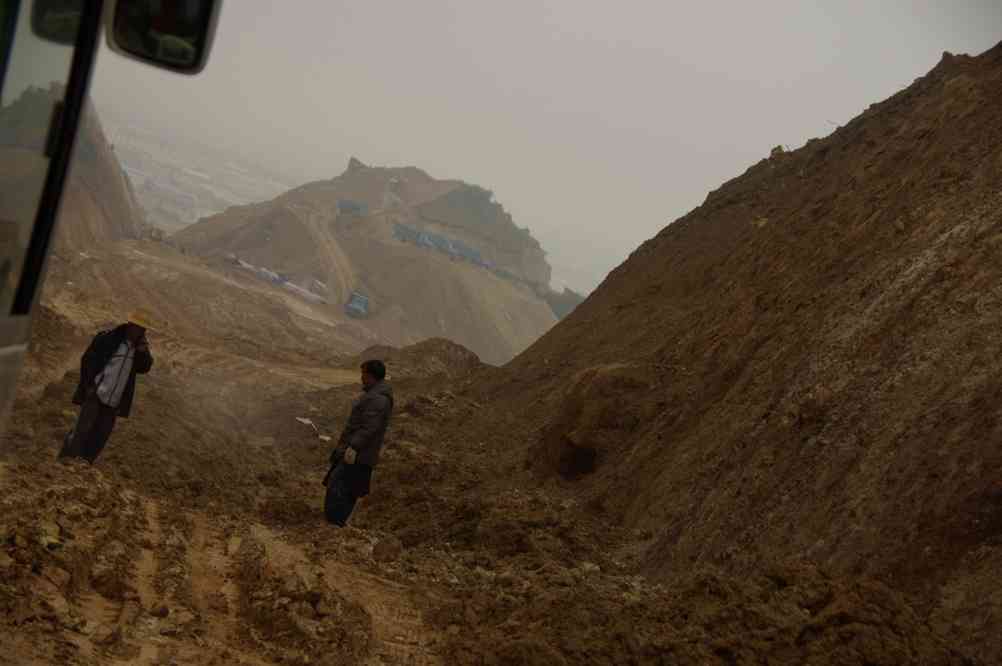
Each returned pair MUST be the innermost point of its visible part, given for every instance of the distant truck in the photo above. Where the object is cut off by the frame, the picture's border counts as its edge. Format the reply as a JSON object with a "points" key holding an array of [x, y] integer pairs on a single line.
{"points": [[357, 305]]}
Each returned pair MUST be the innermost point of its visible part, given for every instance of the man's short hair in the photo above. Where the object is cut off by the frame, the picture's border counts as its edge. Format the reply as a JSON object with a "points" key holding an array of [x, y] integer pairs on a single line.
{"points": [[376, 368]]}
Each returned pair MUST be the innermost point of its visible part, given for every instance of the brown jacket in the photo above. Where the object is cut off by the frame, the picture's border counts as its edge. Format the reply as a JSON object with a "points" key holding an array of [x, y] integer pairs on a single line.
{"points": [[366, 427]]}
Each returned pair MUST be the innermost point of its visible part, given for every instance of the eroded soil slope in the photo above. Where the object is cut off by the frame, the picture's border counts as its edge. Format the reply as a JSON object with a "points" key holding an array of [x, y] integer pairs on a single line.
{"points": [[807, 364]]}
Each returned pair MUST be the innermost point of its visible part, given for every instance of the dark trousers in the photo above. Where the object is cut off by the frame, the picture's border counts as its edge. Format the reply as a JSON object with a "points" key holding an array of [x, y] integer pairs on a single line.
{"points": [[91, 432], [345, 484]]}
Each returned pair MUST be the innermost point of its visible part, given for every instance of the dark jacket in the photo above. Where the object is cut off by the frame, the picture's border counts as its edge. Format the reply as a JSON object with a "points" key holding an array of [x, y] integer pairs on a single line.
{"points": [[366, 427], [93, 361]]}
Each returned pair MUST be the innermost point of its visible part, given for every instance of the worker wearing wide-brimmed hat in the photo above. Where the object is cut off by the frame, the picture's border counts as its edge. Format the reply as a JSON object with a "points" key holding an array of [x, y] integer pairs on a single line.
{"points": [[107, 385]]}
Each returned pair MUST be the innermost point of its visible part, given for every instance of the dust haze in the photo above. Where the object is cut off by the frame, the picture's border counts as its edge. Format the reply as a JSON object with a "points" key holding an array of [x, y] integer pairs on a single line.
{"points": [[595, 125]]}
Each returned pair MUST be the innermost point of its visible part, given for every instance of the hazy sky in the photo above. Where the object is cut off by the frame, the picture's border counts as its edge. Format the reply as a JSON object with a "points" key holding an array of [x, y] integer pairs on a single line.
{"points": [[595, 123]]}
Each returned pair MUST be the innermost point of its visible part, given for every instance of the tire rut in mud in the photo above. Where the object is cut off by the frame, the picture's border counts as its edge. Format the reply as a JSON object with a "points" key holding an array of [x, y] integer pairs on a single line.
{"points": [[289, 611]]}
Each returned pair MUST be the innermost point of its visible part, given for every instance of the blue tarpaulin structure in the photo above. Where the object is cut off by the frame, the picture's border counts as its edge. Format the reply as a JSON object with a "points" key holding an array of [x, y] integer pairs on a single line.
{"points": [[357, 305], [433, 241], [349, 207]]}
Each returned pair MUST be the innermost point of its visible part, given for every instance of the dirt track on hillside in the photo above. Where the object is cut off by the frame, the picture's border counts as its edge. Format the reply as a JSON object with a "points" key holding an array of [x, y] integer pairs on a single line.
{"points": [[153, 556]]}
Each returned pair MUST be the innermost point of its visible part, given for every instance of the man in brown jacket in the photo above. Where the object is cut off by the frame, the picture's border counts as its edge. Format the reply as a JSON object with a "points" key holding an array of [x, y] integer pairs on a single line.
{"points": [[357, 452]]}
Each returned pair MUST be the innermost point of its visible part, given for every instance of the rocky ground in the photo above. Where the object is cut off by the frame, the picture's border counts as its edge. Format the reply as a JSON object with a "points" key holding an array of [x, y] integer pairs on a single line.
{"points": [[198, 539]]}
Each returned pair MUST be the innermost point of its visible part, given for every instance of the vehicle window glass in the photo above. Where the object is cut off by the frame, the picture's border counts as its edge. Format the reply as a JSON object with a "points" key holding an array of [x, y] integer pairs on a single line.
{"points": [[33, 76], [8, 22]]}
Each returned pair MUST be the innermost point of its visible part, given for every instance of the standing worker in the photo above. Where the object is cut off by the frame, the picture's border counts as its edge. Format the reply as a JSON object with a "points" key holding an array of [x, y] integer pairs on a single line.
{"points": [[107, 385], [357, 450]]}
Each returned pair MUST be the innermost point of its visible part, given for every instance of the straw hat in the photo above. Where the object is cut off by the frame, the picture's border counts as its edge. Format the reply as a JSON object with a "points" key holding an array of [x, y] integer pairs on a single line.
{"points": [[140, 318]]}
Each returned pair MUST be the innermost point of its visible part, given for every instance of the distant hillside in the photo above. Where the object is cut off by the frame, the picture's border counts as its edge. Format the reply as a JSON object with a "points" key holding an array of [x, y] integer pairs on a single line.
{"points": [[434, 258]]}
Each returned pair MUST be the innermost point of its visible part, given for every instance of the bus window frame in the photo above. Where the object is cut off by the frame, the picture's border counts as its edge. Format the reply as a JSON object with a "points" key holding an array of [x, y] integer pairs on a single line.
{"points": [[62, 135], [8, 29]]}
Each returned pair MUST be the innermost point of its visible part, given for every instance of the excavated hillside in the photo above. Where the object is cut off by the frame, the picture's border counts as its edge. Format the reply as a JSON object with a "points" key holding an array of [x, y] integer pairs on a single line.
{"points": [[807, 365], [433, 258]]}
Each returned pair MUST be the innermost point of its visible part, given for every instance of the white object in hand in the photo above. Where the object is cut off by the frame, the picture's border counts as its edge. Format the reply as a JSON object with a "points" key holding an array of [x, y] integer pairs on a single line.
{"points": [[309, 423]]}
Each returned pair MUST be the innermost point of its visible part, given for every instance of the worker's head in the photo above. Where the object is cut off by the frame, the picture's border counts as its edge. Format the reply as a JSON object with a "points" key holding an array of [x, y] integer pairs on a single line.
{"points": [[373, 372], [137, 325], [134, 332]]}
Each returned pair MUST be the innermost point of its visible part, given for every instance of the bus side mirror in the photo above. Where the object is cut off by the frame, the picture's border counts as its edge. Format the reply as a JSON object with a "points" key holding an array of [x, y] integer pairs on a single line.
{"points": [[57, 20], [174, 34]]}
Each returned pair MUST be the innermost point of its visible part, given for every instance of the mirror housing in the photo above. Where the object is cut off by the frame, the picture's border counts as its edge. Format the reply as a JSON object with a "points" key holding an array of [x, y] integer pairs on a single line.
{"points": [[170, 34], [57, 20]]}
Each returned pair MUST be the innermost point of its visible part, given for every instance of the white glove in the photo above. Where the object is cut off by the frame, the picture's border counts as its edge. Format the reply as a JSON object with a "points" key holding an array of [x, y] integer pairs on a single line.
{"points": [[349, 456]]}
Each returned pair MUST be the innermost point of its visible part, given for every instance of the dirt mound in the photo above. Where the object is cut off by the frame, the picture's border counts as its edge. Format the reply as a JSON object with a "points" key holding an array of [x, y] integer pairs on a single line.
{"points": [[806, 364], [792, 615], [509, 574], [430, 358], [285, 610]]}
